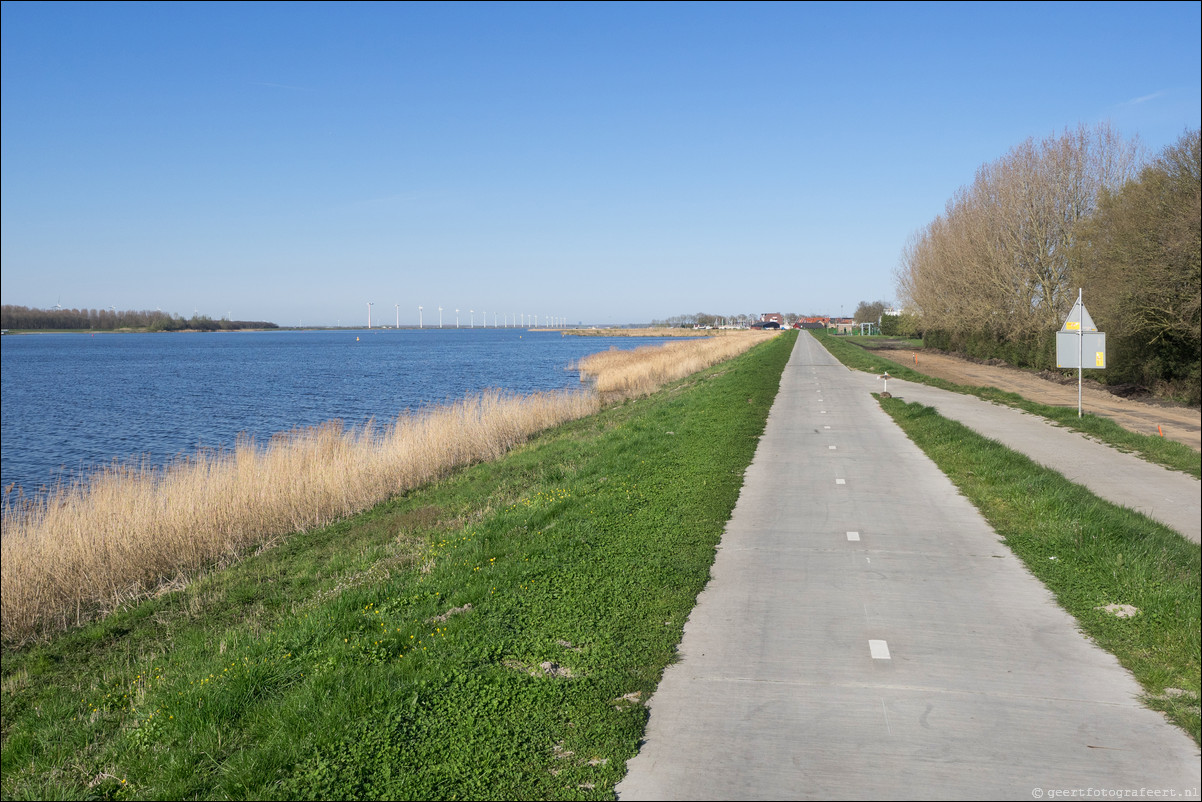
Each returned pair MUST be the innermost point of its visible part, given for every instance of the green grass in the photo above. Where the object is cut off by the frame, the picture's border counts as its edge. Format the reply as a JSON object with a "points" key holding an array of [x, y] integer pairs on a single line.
{"points": [[322, 668], [1168, 453], [1088, 552]]}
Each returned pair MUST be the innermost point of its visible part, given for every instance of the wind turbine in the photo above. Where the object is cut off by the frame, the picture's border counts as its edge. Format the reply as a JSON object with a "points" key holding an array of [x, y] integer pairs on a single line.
{"points": [[398, 316], [440, 317], [473, 314], [419, 317], [456, 318], [369, 305]]}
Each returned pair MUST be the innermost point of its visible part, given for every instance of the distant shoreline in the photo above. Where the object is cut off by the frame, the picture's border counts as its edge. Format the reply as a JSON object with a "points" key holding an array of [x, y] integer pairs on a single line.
{"points": [[130, 331], [576, 332]]}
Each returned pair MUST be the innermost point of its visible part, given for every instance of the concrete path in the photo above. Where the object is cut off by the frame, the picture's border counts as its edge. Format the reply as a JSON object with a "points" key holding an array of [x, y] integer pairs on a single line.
{"points": [[866, 635], [1170, 497]]}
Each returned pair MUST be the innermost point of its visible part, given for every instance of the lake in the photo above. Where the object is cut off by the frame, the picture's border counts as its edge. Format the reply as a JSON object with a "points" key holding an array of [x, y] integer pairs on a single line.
{"points": [[70, 402]]}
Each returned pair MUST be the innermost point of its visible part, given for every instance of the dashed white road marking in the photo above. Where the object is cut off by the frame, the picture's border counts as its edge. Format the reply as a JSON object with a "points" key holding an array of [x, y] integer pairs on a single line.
{"points": [[879, 650], [853, 535], [840, 481], [832, 448]]}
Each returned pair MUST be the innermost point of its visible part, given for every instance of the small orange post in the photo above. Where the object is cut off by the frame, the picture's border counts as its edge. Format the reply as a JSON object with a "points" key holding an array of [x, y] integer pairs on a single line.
{"points": [[1160, 430]]}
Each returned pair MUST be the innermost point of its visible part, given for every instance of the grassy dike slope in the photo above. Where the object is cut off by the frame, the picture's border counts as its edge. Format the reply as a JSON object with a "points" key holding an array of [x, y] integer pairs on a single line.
{"points": [[492, 636]]}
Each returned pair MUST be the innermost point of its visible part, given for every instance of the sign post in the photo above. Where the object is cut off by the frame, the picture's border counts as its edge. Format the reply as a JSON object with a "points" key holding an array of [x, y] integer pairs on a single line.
{"points": [[1076, 339]]}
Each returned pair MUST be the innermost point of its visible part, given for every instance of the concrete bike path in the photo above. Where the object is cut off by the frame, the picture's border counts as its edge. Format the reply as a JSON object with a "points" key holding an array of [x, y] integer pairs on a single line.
{"points": [[1170, 497], [866, 635]]}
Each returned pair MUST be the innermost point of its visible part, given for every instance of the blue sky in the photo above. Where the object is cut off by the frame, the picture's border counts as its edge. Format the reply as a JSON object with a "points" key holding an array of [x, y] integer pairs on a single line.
{"points": [[609, 163]]}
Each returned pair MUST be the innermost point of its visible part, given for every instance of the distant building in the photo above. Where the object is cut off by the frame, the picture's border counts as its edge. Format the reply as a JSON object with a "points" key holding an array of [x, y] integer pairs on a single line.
{"points": [[843, 325], [772, 317]]}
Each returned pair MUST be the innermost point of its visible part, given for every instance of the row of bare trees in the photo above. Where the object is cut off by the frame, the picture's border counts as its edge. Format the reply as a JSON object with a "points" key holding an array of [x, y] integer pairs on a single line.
{"points": [[1139, 256], [26, 318], [998, 271]]}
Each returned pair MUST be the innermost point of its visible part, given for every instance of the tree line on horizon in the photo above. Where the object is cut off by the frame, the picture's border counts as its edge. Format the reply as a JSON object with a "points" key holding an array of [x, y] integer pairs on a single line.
{"points": [[31, 319], [996, 274]]}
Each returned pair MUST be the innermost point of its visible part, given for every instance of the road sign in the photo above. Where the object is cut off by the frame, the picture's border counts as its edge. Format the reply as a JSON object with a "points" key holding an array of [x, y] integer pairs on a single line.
{"points": [[1079, 344], [1078, 318], [1085, 349]]}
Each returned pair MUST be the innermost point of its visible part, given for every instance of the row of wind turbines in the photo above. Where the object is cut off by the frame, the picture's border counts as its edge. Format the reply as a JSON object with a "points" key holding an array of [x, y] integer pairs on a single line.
{"points": [[507, 320]]}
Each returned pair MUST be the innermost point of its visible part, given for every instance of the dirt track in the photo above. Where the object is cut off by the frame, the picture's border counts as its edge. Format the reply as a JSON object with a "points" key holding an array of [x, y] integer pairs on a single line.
{"points": [[1182, 424]]}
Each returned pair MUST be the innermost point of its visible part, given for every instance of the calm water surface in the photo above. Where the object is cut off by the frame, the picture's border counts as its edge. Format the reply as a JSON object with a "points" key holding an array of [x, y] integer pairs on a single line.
{"points": [[71, 402]]}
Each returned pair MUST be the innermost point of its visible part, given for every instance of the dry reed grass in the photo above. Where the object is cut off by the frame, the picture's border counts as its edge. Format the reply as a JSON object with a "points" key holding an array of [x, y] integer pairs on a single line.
{"points": [[642, 370], [129, 531], [659, 331]]}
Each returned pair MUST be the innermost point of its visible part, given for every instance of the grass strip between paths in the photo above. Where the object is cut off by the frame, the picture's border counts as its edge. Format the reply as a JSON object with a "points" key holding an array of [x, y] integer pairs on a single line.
{"points": [[492, 636], [1088, 552], [1158, 450]]}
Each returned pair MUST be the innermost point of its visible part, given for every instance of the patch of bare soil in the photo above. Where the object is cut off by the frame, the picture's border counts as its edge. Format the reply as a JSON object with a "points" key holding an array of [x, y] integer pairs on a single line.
{"points": [[1180, 423]]}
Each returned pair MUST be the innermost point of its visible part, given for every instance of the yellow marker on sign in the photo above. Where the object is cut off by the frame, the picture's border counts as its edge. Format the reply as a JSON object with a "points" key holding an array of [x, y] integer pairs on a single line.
{"points": [[1100, 358], [1072, 325]]}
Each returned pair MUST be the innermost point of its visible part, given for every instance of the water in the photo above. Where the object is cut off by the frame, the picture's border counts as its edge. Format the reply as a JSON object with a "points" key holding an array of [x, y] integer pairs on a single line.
{"points": [[71, 402]]}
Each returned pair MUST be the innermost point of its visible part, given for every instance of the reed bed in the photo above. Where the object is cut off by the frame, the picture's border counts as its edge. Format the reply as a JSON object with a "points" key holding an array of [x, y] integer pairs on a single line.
{"points": [[658, 331], [642, 370], [126, 532]]}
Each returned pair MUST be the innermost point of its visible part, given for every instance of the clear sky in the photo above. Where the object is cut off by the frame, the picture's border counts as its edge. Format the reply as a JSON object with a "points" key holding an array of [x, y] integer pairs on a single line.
{"points": [[609, 163]]}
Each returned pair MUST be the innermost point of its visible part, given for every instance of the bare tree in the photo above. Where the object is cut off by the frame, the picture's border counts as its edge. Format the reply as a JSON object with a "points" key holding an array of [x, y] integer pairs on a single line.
{"points": [[870, 311], [1140, 260], [998, 258]]}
